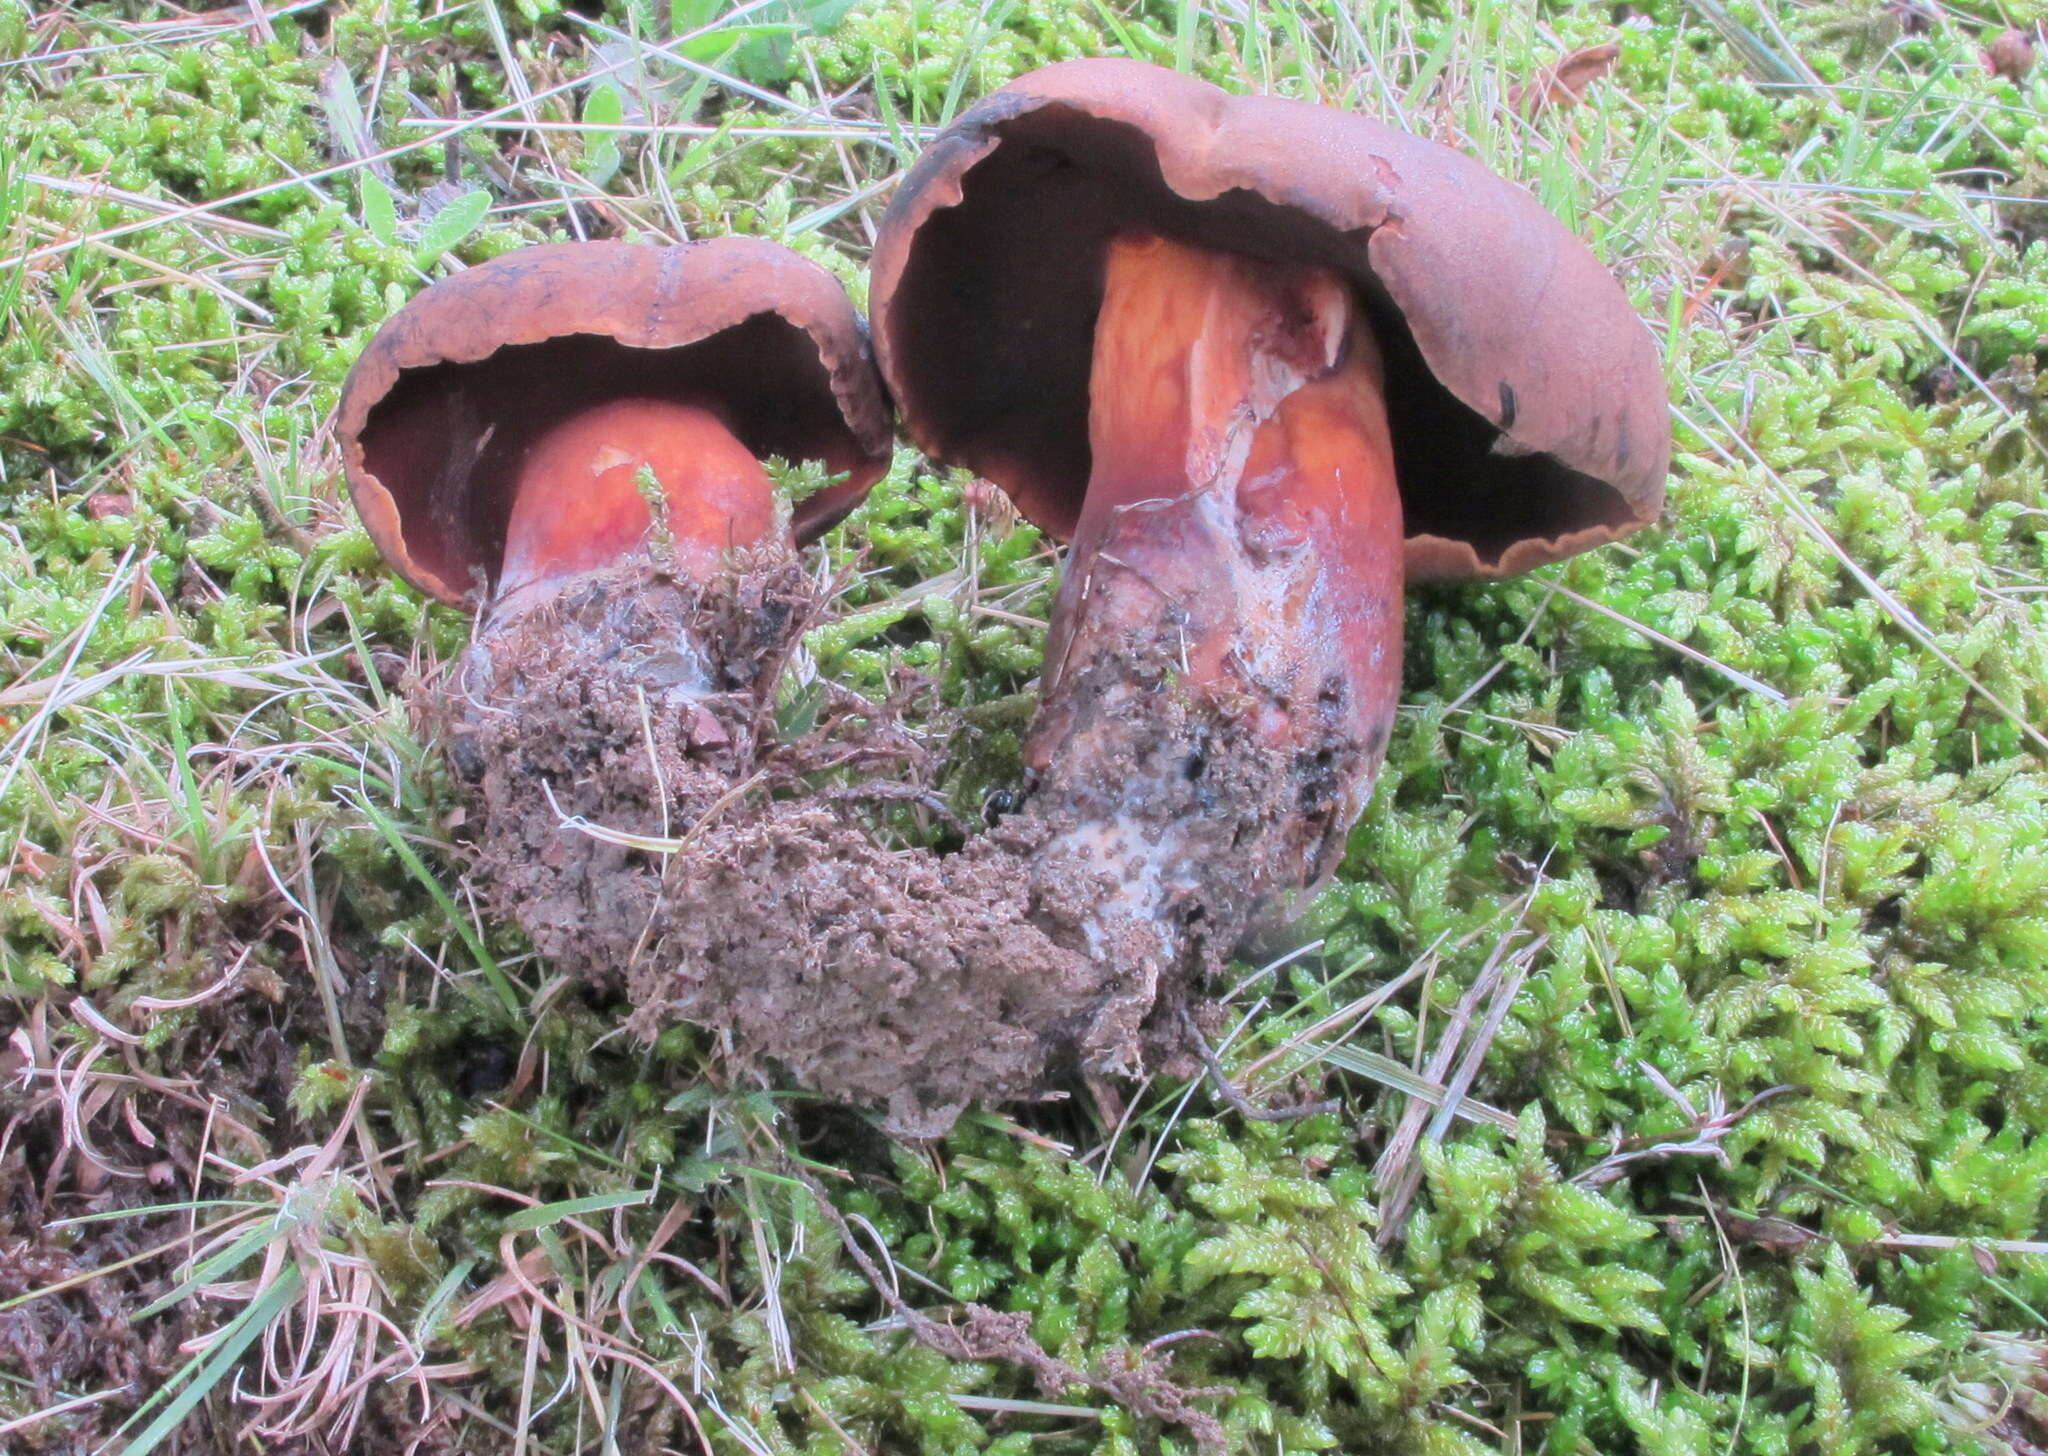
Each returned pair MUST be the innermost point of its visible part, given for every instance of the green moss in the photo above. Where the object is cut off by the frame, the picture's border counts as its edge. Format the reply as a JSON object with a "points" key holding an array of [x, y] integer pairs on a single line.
{"points": [[1810, 852]]}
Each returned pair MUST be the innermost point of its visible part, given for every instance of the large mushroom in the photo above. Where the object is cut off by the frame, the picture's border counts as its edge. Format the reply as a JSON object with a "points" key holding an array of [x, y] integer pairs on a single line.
{"points": [[1261, 362]]}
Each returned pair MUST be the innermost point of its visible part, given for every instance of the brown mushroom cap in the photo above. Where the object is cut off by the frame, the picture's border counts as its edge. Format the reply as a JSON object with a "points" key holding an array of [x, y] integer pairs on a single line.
{"points": [[1527, 400], [441, 405]]}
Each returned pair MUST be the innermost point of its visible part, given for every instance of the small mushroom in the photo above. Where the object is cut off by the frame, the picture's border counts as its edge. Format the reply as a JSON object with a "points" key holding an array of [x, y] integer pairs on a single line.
{"points": [[570, 441], [497, 431], [1261, 362]]}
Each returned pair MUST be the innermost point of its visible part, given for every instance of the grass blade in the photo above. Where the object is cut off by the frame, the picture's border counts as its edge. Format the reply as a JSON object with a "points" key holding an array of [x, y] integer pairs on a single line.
{"points": [[220, 1356], [466, 932]]}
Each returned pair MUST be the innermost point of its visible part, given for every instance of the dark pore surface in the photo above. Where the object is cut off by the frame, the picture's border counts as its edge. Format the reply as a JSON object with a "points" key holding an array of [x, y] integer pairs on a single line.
{"points": [[993, 320]]}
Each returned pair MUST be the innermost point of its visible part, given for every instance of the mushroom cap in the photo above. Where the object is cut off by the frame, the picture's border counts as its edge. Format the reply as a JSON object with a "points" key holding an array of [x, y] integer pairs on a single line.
{"points": [[1527, 400], [443, 402]]}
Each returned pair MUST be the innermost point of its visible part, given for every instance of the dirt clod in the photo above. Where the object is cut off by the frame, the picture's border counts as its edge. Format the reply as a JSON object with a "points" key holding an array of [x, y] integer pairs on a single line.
{"points": [[638, 815]]}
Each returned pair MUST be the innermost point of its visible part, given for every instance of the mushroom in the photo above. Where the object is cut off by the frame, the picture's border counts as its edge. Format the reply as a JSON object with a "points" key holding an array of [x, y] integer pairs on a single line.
{"points": [[570, 440], [1261, 363], [498, 431]]}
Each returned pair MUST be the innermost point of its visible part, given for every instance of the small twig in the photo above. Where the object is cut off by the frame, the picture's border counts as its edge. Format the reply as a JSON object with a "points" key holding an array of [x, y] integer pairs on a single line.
{"points": [[276, 523], [1398, 1198], [1783, 1236], [1231, 1093], [1343, 1018], [1739, 678], [1398, 1172], [1708, 1130], [1778, 1235]]}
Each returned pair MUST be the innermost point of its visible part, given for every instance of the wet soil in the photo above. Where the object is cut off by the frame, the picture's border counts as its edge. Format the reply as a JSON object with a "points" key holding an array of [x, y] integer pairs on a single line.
{"points": [[637, 813]]}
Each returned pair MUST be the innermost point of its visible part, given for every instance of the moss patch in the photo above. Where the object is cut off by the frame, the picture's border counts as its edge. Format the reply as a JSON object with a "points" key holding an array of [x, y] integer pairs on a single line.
{"points": [[1754, 802]]}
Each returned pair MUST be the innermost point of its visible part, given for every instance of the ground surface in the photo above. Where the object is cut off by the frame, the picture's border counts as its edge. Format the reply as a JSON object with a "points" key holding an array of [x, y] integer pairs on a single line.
{"points": [[1707, 880]]}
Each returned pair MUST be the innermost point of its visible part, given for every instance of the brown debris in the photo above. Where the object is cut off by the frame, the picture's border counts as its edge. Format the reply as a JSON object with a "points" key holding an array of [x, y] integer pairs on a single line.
{"points": [[1565, 83], [2010, 55], [86, 1156]]}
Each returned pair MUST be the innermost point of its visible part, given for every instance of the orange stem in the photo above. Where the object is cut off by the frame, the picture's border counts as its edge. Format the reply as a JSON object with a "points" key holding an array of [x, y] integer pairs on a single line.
{"points": [[579, 504], [1242, 517]]}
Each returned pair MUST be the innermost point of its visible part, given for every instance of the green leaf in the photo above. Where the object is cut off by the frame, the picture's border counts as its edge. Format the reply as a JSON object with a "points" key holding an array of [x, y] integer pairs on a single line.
{"points": [[448, 227], [380, 210], [605, 106], [685, 16], [552, 1213]]}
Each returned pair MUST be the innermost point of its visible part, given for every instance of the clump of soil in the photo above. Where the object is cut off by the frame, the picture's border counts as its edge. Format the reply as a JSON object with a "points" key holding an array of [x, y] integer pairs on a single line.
{"points": [[640, 818], [638, 814], [1205, 812], [1211, 809]]}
